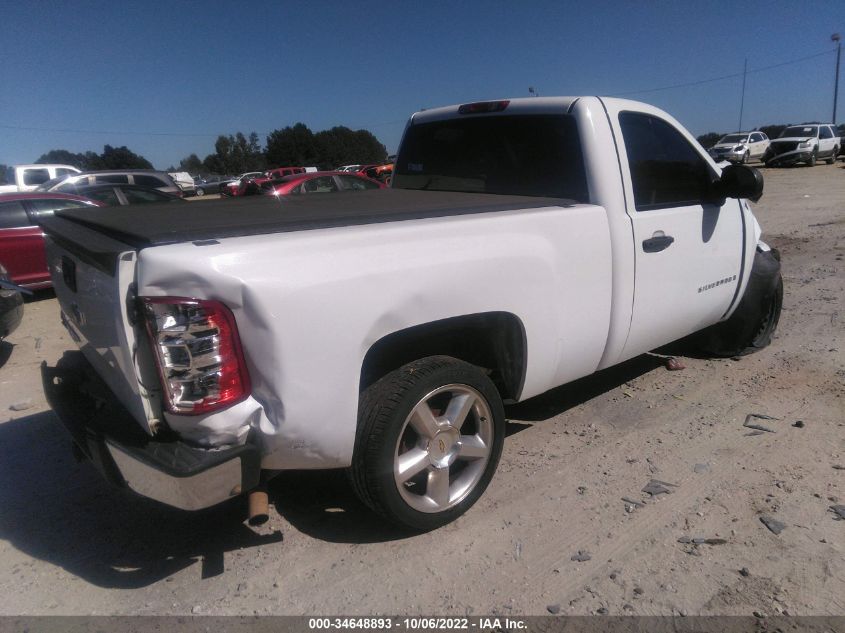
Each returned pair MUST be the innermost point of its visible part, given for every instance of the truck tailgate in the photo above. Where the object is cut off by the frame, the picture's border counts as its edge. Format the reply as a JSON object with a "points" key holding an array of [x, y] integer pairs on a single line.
{"points": [[93, 276]]}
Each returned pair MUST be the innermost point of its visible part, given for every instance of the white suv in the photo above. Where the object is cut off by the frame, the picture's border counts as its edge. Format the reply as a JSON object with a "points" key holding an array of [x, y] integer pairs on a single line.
{"points": [[804, 144], [740, 147]]}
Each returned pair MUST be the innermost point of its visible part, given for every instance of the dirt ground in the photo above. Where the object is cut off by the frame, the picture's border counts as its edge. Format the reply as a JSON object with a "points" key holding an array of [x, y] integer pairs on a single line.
{"points": [[69, 544]]}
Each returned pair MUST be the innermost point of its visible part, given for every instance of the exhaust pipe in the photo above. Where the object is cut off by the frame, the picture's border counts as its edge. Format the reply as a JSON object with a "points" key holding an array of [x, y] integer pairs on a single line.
{"points": [[259, 506]]}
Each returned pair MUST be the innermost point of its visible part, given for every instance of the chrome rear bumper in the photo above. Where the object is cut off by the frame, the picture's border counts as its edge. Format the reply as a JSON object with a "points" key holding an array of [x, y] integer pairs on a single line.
{"points": [[164, 469]]}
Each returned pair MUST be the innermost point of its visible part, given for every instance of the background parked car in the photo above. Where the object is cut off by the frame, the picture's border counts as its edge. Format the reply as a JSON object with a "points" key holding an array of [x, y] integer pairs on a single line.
{"points": [[804, 144], [382, 173], [11, 307], [211, 184], [184, 181], [145, 178], [28, 177], [21, 239], [121, 195], [243, 185], [740, 147], [320, 182]]}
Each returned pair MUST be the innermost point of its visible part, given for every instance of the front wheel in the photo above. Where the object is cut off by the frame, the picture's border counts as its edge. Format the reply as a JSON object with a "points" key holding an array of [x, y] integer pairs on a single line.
{"points": [[753, 323], [430, 435], [200, 191], [746, 157], [812, 161]]}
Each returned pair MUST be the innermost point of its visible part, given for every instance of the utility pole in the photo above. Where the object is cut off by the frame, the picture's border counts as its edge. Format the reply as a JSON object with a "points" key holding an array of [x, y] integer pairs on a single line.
{"points": [[835, 37], [742, 100]]}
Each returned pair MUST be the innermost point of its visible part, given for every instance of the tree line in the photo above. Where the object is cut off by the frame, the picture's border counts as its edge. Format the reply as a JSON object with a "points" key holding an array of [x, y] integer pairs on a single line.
{"points": [[294, 145]]}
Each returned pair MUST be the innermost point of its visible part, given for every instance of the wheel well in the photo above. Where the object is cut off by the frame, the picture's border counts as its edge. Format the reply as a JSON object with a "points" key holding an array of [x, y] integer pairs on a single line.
{"points": [[494, 341]]}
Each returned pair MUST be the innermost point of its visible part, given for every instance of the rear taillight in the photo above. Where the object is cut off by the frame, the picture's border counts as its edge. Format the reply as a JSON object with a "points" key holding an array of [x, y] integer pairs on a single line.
{"points": [[198, 353]]}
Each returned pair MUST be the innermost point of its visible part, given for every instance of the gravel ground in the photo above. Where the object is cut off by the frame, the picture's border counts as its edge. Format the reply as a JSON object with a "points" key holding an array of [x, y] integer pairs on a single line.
{"points": [[69, 544]]}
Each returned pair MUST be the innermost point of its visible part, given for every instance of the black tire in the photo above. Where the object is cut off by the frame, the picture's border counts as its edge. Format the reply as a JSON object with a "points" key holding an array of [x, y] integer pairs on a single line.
{"points": [[386, 431], [812, 161], [200, 191], [751, 327], [746, 157], [832, 158]]}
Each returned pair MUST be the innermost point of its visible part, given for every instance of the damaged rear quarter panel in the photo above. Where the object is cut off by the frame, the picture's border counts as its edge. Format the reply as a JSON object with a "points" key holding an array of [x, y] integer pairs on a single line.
{"points": [[310, 304]]}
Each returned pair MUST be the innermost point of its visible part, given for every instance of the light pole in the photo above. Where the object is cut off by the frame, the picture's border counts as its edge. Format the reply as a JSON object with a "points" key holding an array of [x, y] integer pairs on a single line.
{"points": [[835, 37]]}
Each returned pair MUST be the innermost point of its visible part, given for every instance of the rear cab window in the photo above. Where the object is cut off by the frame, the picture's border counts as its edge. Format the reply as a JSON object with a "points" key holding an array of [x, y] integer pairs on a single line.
{"points": [[35, 176], [531, 155]]}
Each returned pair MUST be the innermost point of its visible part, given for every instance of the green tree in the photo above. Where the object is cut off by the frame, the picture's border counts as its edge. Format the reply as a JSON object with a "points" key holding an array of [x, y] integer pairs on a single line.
{"points": [[123, 158], [709, 140], [772, 131], [291, 146], [341, 146], [235, 155], [298, 146], [191, 164], [63, 157], [3, 169]]}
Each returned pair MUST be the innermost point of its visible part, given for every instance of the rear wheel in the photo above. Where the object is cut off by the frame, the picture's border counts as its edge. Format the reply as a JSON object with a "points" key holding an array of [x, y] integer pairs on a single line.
{"points": [[430, 435], [832, 158]]}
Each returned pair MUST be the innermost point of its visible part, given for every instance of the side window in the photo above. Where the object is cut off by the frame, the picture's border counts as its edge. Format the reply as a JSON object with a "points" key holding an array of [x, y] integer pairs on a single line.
{"points": [[756, 138], [665, 169], [45, 206], [323, 184], [12, 215], [111, 179], [35, 176], [824, 132], [106, 196], [149, 181], [356, 184], [139, 196]]}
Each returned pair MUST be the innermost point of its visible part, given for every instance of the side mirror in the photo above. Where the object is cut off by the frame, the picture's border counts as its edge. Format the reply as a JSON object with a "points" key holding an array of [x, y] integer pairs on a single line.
{"points": [[739, 181]]}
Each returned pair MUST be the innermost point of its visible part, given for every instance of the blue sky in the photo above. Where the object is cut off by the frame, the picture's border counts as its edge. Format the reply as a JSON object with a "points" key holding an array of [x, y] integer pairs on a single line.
{"points": [[164, 78]]}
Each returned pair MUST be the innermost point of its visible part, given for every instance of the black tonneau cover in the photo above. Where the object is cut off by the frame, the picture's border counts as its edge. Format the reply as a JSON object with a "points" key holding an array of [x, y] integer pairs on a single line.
{"points": [[145, 225]]}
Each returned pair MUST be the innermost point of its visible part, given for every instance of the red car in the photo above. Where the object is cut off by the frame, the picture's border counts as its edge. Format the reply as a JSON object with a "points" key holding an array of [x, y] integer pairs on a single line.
{"points": [[21, 239], [250, 184], [320, 182]]}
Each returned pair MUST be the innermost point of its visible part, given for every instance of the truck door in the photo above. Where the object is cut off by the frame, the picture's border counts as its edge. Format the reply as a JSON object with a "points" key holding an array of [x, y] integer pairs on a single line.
{"points": [[688, 250]]}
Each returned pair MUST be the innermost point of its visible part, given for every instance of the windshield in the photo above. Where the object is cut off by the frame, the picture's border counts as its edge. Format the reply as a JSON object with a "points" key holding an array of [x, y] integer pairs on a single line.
{"points": [[531, 155], [50, 183], [799, 130], [734, 138]]}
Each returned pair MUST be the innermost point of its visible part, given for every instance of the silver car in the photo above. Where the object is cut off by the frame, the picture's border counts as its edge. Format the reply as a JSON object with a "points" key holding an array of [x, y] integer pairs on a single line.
{"points": [[143, 177], [740, 147]]}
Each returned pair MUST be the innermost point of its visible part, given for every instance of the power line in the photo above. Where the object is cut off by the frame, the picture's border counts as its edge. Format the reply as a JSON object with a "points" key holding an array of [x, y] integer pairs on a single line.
{"points": [[732, 76], [127, 132], [216, 134]]}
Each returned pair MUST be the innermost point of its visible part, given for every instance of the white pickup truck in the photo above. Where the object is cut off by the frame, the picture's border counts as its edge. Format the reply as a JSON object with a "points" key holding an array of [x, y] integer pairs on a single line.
{"points": [[19, 178], [523, 244]]}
